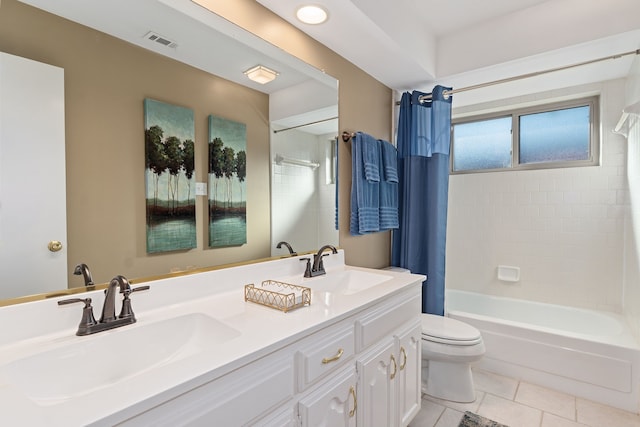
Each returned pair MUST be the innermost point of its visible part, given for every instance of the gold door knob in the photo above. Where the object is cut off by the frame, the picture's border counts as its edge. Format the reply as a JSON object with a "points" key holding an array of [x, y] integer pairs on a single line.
{"points": [[55, 246]]}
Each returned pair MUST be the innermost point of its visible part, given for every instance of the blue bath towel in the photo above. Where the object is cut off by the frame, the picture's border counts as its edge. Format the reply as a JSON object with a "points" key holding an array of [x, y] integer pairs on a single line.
{"points": [[365, 194], [389, 188]]}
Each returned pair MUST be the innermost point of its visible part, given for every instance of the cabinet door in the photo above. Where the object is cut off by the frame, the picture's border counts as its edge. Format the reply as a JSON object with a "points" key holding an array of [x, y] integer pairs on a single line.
{"points": [[331, 403], [378, 369], [409, 351]]}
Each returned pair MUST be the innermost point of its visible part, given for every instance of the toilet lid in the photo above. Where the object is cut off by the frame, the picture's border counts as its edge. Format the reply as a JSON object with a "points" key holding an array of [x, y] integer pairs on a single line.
{"points": [[445, 329]]}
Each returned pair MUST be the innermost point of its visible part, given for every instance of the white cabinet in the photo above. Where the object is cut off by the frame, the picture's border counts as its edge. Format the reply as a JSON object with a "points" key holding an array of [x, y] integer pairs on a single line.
{"points": [[409, 351], [377, 370], [362, 370], [234, 399], [333, 403], [390, 371], [389, 393]]}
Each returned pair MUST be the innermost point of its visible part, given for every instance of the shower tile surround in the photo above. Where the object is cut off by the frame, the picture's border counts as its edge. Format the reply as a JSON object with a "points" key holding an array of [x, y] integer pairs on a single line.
{"points": [[302, 202], [564, 228]]}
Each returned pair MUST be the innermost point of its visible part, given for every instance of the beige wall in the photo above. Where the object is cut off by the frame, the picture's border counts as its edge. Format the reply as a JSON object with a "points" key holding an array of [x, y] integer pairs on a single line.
{"points": [[106, 81]]}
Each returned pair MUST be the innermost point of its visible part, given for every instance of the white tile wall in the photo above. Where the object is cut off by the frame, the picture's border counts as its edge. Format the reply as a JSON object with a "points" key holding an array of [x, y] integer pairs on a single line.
{"points": [[632, 211], [564, 228], [302, 201]]}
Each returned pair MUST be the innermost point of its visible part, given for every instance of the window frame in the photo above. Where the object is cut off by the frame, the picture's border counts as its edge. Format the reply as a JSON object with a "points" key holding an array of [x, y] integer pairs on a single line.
{"points": [[594, 135]]}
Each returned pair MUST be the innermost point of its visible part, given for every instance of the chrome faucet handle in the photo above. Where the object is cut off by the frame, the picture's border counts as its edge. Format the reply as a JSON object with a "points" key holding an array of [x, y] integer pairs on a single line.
{"points": [[307, 271], [88, 320]]}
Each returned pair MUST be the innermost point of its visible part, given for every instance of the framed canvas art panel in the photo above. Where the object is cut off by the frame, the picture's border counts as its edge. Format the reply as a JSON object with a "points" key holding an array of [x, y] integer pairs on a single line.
{"points": [[169, 173], [227, 185]]}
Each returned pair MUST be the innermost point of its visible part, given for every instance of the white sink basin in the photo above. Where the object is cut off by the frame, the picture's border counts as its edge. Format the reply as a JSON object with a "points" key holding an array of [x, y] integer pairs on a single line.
{"points": [[347, 282], [94, 362]]}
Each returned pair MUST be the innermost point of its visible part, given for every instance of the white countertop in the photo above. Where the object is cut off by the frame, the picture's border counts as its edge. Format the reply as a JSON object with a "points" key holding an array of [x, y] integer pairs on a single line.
{"points": [[258, 331]]}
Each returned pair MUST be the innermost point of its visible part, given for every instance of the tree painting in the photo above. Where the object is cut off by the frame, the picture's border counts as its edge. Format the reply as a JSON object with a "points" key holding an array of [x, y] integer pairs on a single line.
{"points": [[227, 186], [169, 173]]}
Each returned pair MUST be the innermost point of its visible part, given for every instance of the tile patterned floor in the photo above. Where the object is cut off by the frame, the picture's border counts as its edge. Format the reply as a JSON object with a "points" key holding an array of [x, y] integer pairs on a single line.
{"points": [[520, 404]]}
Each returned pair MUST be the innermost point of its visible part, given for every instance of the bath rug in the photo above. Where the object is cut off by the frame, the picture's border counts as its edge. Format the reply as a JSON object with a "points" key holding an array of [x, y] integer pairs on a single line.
{"points": [[474, 420]]}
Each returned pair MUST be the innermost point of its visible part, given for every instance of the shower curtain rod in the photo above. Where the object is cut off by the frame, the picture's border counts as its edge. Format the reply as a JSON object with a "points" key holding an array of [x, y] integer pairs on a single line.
{"points": [[306, 124], [446, 93]]}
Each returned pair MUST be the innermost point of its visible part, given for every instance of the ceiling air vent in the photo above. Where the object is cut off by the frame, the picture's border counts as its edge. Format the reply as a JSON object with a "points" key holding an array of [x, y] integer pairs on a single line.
{"points": [[155, 37]]}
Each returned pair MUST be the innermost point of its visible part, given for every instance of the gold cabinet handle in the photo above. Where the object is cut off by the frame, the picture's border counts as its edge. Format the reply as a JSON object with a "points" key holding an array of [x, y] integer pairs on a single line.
{"points": [[395, 367], [352, 392], [333, 358], [404, 358], [55, 246]]}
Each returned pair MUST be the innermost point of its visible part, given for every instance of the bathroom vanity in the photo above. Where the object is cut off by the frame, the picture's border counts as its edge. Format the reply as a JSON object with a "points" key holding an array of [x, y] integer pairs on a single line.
{"points": [[201, 355]]}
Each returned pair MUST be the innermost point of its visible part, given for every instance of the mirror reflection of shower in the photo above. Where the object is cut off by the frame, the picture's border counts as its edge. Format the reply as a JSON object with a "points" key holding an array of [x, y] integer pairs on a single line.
{"points": [[304, 127]]}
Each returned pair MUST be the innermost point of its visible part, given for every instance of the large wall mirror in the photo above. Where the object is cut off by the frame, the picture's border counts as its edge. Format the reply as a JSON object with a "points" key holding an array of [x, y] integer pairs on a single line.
{"points": [[300, 122]]}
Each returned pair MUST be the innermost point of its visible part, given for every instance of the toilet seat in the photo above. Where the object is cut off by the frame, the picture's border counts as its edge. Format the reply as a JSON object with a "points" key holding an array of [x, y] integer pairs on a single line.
{"points": [[445, 330]]}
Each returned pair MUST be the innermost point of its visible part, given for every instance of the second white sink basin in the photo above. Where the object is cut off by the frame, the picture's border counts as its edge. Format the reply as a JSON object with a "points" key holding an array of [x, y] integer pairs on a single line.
{"points": [[347, 282], [94, 362]]}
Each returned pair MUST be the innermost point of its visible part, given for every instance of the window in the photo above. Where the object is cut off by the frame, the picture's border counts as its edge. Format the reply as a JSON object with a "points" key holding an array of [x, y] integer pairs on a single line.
{"points": [[548, 136]]}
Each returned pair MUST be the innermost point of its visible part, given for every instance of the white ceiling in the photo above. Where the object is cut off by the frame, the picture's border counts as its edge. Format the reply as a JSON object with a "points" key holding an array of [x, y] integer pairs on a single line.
{"points": [[207, 41], [412, 44], [405, 44]]}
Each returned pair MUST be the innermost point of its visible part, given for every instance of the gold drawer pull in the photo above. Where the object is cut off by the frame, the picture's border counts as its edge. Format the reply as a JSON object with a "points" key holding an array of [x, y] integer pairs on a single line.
{"points": [[352, 392], [334, 358], [404, 358], [395, 367]]}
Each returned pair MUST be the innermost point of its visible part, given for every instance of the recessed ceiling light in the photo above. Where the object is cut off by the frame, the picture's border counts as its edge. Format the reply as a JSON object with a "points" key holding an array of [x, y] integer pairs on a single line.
{"points": [[261, 74], [312, 14]]}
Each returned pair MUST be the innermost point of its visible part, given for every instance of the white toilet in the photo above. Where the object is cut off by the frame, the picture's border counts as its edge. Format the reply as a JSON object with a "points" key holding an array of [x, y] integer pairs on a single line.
{"points": [[449, 346]]}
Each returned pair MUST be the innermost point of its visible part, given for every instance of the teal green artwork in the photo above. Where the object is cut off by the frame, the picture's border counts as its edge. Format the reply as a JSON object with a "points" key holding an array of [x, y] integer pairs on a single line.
{"points": [[227, 185], [169, 172]]}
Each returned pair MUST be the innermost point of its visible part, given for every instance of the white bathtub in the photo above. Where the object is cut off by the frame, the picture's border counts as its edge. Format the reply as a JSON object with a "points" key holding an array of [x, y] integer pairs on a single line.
{"points": [[586, 353]]}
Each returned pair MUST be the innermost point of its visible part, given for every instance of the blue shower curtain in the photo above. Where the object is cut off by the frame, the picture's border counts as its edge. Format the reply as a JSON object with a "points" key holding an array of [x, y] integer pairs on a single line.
{"points": [[424, 135]]}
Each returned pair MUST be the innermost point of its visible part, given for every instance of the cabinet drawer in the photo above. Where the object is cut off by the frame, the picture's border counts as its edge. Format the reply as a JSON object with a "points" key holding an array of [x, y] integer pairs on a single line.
{"points": [[382, 322], [231, 400], [322, 353]]}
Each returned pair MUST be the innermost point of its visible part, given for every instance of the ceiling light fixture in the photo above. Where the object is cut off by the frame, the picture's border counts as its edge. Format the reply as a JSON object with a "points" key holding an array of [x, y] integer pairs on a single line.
{"points": [[261, 74], [312, 14]]}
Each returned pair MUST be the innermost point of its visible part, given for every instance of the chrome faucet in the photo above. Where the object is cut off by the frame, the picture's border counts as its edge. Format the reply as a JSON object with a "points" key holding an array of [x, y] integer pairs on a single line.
{"points": [[291, 251], [318, 267], [86, 273], [108, 319]]}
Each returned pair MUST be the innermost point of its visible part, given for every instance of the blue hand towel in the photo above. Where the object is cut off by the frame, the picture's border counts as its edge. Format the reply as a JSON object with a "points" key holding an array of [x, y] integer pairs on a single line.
{"points": [[389, 188], [370, 157], [365, 195], [389, 162]]}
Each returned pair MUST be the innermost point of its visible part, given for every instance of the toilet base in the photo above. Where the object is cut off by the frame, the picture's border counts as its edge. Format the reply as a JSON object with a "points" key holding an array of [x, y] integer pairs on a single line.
{"points": [[448, 381]]}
